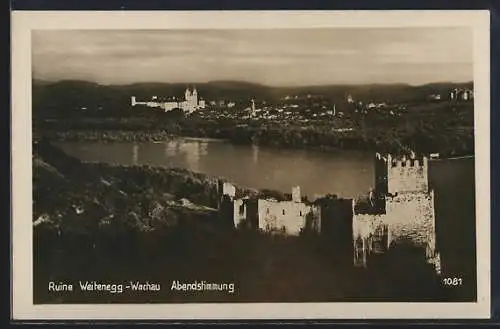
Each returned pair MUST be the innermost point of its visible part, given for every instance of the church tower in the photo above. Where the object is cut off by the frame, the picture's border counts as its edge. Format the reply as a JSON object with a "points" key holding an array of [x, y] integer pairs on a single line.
{"points": [[195, 97], [187, 94]]}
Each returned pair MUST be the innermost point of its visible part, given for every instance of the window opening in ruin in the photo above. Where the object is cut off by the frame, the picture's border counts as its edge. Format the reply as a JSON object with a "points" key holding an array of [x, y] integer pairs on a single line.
{"points": [[283, 211], [300, 213], [267, 211]]}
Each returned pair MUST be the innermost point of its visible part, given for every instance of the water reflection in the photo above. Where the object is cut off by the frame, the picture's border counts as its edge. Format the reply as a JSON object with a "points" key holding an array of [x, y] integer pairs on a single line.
{"points": [[255, 153], [191, 154], [135, 154], [203, 149], [170, 149]]}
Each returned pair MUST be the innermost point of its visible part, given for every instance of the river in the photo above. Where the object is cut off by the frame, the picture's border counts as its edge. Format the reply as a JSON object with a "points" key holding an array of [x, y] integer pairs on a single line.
{"points": [[344, 173]]}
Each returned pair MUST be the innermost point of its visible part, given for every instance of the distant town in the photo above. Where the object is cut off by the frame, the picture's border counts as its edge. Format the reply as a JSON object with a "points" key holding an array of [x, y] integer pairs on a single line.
{"points": [[433, 118], [296, 108]]}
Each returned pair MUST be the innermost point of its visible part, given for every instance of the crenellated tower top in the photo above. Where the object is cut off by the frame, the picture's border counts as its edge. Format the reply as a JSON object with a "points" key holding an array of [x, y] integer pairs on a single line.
{"points": [[401, 174]]}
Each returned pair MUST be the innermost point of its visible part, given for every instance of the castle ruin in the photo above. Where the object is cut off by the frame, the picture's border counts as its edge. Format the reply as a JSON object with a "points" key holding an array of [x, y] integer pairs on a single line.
{"points": [[289, 217], [399, 210]]}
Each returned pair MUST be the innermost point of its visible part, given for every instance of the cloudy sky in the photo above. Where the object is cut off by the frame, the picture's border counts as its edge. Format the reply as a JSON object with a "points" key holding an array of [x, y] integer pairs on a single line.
{"points": [[272, 57]]}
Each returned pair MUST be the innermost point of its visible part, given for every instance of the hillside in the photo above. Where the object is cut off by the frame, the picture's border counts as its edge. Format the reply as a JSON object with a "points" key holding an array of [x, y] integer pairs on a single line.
{"points": [[98, 191]]}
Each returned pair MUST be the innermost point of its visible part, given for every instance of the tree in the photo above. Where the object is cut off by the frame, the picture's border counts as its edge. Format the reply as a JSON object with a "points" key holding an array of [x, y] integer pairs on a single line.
{"points": [[176, 113]]}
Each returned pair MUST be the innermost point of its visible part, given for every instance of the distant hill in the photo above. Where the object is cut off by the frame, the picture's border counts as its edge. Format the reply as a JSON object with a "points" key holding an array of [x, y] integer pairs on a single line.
{"points": [[40, 83], [56, 98]]}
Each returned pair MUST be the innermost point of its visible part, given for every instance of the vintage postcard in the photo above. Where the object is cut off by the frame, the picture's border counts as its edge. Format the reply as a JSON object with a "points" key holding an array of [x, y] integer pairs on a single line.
{"points": [[250, 165]]}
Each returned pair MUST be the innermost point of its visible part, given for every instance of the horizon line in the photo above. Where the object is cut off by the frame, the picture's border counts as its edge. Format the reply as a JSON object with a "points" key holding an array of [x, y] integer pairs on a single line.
{"points": [[256, 83]]}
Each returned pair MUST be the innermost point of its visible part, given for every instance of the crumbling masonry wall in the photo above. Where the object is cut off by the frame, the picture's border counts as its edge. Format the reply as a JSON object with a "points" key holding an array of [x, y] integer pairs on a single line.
{"points": [[407, 213], [364, 228], [240, 211], [288, 217], [409, 218]]}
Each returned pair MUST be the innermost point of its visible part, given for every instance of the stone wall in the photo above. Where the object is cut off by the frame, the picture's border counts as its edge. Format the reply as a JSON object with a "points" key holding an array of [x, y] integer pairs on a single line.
{"points": [[409, 218], [287, 217], [228, 189], [407, 175], [314, 217], [364, 229], [240, 212]]}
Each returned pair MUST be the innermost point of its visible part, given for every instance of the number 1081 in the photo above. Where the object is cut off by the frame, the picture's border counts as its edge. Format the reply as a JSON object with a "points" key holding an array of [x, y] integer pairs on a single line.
{"points": [[452, 281]]}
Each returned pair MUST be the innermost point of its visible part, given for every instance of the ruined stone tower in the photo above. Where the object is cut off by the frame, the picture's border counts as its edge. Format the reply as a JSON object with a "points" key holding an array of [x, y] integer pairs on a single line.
{"points": [[396, 175], [407, 174], [404, 213]]}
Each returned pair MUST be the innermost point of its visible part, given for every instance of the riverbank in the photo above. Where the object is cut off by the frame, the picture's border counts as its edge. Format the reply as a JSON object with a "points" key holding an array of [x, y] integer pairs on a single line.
{"points": [[336, 142], [122, 136]]}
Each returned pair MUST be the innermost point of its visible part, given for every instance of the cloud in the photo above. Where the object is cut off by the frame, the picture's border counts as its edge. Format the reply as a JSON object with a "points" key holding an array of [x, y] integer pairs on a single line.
{"points": [[288, 57]]}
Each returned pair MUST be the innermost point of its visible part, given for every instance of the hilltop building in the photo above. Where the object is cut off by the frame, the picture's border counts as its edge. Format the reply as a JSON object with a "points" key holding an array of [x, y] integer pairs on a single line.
{"points": [[188, 104], [461, 94]]}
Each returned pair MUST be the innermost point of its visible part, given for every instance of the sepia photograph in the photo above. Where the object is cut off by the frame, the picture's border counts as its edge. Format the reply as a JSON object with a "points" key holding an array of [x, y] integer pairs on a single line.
{"points": [[241, 164]]}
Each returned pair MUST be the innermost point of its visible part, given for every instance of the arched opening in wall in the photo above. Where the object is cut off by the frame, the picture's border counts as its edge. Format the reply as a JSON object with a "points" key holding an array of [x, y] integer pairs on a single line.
{"points": [[283, 212], [267, 211], [300, 213]]}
